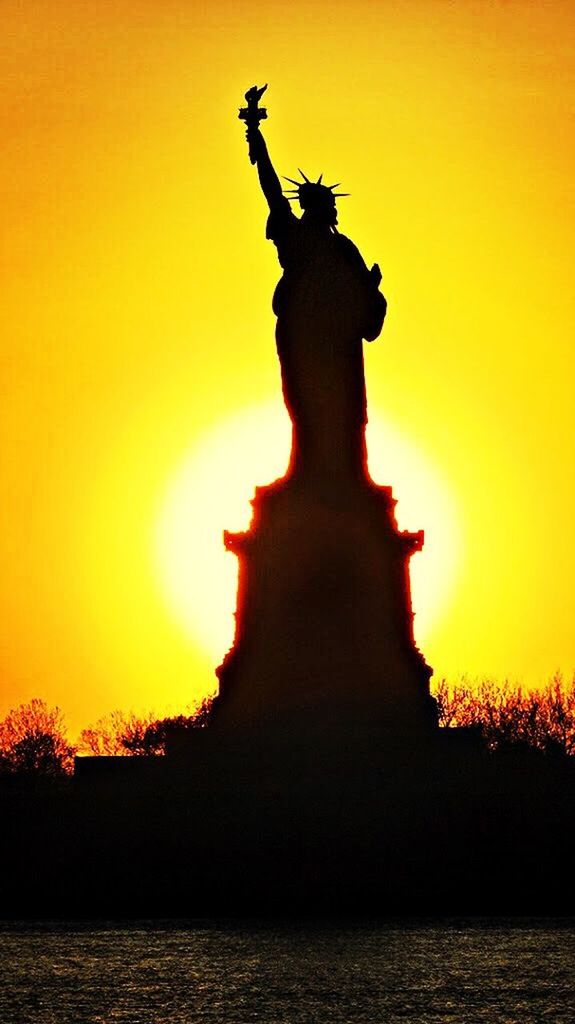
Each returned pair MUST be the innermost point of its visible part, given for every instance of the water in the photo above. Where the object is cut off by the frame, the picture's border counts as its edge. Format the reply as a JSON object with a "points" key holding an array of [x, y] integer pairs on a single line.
{"points": [[499, 972]]}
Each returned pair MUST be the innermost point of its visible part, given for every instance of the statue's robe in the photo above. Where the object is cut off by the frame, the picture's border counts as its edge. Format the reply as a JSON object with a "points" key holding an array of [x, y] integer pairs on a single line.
{"points": [[326, 302]]}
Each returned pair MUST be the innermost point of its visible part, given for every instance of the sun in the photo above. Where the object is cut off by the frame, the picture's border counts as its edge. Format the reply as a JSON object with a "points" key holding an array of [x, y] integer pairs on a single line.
{"points": [[211, 490]]}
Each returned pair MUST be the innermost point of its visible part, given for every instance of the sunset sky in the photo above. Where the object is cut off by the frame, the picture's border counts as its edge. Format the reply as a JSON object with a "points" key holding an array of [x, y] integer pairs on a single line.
{"points": [[141, 399]]}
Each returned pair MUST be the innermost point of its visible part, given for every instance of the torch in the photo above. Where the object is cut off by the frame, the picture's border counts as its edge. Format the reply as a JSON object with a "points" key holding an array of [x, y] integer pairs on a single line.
{"points": [[253, 113]]}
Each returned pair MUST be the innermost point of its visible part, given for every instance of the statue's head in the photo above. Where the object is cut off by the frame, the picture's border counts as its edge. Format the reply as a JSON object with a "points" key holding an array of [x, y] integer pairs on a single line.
{"points": [[315, 199]]}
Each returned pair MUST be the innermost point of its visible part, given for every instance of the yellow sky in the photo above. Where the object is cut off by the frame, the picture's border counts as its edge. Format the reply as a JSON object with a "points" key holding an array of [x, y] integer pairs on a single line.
{"points": [[135, 294]]}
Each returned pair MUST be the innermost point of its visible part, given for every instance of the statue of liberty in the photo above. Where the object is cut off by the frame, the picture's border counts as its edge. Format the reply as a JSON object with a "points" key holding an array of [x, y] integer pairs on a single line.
{"points": [[326, 302], [324, 643]]}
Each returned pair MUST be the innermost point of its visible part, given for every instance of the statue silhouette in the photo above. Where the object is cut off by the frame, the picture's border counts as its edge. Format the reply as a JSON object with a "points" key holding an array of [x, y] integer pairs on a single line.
{"points": [[324, 640], [326, 302]]}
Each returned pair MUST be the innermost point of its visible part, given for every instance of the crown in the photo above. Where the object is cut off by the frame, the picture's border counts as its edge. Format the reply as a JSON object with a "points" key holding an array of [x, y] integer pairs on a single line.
{"points": [[310, 192]]}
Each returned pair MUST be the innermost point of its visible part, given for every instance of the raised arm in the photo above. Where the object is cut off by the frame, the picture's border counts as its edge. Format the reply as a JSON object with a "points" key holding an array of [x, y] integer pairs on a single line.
{"points": [[269, 180]]}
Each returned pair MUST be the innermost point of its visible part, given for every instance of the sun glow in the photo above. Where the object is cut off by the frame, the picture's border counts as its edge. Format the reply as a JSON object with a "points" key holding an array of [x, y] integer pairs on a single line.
{"points": [[211, 491]]}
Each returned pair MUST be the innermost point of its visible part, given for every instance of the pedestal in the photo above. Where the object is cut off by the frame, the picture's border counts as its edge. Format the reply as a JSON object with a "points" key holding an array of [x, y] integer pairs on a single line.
{"points": [[324, 648]]}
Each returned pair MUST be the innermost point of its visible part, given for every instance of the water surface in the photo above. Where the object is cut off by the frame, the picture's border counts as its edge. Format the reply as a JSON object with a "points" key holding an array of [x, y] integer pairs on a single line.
{"points": [[455, 972]]}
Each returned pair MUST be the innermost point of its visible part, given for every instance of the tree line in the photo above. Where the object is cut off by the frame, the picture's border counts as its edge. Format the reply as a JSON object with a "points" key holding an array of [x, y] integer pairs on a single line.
{"points": [[34, 738], [511, 716]]}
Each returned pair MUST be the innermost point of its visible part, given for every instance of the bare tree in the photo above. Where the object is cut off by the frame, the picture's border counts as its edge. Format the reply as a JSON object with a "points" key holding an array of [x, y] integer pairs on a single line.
{"points": [[33, 740], [124, 734], [117, 734], [541, 719]]}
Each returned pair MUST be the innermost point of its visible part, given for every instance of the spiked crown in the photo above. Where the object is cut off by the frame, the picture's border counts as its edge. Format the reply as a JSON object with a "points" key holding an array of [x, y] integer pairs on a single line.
{"points": [[312, 194]]}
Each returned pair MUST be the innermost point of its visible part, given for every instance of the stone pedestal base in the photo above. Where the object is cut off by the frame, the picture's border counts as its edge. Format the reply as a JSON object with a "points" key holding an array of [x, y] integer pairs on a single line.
{"points": [[324, 629]]}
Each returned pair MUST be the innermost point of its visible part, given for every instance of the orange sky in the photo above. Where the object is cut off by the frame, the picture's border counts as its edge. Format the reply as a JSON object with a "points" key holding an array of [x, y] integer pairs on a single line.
{"points": [[136, 323]]}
